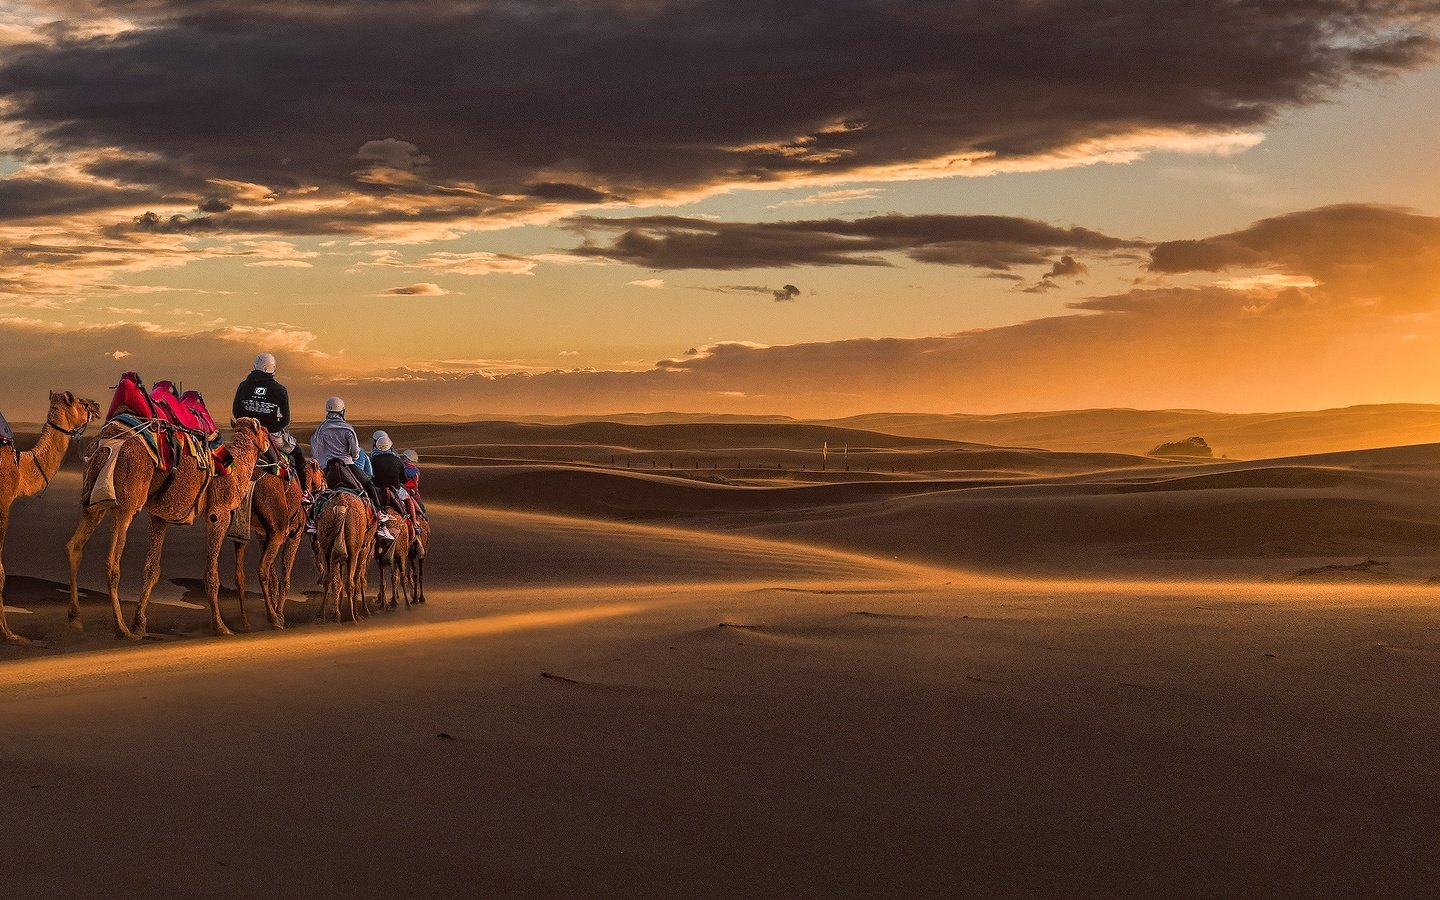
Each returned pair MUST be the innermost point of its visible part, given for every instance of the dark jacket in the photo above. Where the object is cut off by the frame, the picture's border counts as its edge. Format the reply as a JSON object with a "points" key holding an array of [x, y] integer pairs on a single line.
{"points": [[389, 468], [261, 397]]}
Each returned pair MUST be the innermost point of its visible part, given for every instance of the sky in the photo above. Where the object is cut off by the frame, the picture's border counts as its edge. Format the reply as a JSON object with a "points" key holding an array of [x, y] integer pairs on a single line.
{"points": [[817, 208]]}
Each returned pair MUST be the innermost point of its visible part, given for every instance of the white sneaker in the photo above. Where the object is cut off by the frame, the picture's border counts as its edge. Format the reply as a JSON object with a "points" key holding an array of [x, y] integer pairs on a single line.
{"points": [[384, 534]]}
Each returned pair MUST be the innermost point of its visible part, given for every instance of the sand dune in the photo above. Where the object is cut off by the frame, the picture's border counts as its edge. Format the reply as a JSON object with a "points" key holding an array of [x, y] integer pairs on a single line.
{"points": [[1225, 520], [999, 671], [1240, 435]]}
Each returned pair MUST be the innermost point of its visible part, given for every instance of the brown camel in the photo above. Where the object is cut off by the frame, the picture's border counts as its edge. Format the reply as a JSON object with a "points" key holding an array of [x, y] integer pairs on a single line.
{"points": [[138, 485], [419, 548], [343, 541], [276, 511], [396, 558], [27, 473]]}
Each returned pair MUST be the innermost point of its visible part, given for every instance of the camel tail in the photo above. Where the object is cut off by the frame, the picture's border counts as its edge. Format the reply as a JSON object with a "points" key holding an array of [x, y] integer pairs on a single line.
{"points": [[338, 549]]}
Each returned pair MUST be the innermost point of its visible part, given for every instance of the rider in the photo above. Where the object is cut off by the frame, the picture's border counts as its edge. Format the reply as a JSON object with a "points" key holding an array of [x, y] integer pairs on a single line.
{"points": [[261, 397], [335, 439], [387, 466], [412, 477]]}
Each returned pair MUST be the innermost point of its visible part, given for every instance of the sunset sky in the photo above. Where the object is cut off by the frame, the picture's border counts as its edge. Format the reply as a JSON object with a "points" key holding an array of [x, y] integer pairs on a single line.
{"points": [[817, 208]]}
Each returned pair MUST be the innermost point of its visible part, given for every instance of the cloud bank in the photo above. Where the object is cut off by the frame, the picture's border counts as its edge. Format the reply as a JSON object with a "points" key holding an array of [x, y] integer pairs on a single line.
{"points": [[311, 117], [1336, 305]]}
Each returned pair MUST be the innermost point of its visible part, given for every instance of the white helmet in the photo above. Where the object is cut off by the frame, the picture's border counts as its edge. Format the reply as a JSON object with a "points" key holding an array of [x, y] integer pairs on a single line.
{"points": [[265, 362], [382, 441], [411, 455], [334, 404]]}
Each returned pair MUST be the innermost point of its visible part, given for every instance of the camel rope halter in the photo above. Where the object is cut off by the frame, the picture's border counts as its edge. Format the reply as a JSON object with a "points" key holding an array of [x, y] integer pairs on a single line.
{"points": [[69, 432]]}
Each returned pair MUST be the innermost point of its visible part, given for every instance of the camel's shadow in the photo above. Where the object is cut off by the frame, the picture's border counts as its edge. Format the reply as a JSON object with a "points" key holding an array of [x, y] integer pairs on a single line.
{"points": [[196, 597]]}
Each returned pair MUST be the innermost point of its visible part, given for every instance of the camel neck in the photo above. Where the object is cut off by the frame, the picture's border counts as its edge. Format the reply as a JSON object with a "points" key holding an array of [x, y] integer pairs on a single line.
{"points": [[40, 463]]}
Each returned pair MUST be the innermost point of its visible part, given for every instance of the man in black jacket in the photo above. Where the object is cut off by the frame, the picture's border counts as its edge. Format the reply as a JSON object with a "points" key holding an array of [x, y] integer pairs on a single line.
{"points": [[261, 397], [388, 468]]}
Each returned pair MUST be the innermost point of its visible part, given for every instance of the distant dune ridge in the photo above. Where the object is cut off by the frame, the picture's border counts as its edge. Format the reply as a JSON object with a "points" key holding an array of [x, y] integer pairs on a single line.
{"points": [[1135, 431]]}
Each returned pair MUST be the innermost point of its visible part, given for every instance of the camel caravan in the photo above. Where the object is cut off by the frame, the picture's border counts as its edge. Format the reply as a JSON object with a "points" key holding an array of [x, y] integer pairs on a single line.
{"points": [[160, 451]]}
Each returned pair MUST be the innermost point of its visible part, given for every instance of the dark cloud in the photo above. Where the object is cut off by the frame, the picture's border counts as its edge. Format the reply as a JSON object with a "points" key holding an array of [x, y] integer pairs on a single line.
{"points": [[215, 205], [419, 289], [1360, 252], [989, 242], [1067, 267], [175, 224], [1064, 267], [24, 197], [784, 294], [604, 98], [570, 193]]}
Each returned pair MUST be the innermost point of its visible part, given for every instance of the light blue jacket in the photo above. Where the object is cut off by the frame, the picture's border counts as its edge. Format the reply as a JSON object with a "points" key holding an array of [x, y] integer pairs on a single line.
{"points": [[335, 439]]}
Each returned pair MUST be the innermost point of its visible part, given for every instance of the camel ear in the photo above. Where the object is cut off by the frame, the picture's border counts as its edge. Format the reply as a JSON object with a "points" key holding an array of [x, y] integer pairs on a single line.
{"points": [[69, 397]]}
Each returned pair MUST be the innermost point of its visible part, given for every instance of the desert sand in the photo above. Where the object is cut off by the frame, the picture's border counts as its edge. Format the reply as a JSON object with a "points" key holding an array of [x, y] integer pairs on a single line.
{"points": [[683, 661]]}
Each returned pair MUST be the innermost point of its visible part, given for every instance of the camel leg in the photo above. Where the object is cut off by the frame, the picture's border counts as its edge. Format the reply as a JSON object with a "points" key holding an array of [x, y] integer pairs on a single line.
{"points": [[338, 580], [5, 633], [362, 578], [154, 551], [381, 598], [216, 526], [405, 585], [240, 582], [287, 566], [267, 574], [74, 550], [120, 520], [350, 594]]}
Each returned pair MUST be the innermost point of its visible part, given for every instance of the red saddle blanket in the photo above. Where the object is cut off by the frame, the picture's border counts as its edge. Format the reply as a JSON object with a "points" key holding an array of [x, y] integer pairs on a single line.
{"points": [[186, 410], [162, 402]]}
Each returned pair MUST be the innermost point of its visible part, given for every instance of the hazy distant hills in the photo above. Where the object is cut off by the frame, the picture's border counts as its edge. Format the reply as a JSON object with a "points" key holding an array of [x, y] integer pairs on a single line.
{"points": [[1132, 431]]}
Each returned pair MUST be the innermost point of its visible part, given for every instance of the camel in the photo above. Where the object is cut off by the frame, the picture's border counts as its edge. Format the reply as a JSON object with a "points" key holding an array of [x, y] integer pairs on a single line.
{"points": [[344, 539], [397, 558], [419, 547], [190, 490], [27, 473], [276, 510]]}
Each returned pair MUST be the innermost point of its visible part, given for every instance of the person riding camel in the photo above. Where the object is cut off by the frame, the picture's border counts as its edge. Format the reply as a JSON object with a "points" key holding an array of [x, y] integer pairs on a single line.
{"points": [[412, 478], [261, 397], [388, 470], [335, 441]]}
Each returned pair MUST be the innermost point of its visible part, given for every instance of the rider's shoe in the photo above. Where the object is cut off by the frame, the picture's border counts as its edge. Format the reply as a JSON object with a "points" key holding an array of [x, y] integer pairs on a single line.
{"points": [[384, 534]]}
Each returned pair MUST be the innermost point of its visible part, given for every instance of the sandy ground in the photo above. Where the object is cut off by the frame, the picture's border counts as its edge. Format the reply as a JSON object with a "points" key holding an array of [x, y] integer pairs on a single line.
{"points": [[649, 684]]}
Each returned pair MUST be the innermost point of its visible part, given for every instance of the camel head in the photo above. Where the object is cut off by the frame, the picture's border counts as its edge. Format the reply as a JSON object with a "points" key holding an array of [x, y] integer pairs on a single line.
{"points": [[250, 431], [313, 478], [71, 413]]}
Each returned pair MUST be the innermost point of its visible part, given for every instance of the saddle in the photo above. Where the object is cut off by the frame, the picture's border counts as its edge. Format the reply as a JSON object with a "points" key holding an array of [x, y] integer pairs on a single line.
{"points": [[276, 457], [7, 434], [340, 475], [171, 424], [185, 411], [400, 500], [163, 402]]}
